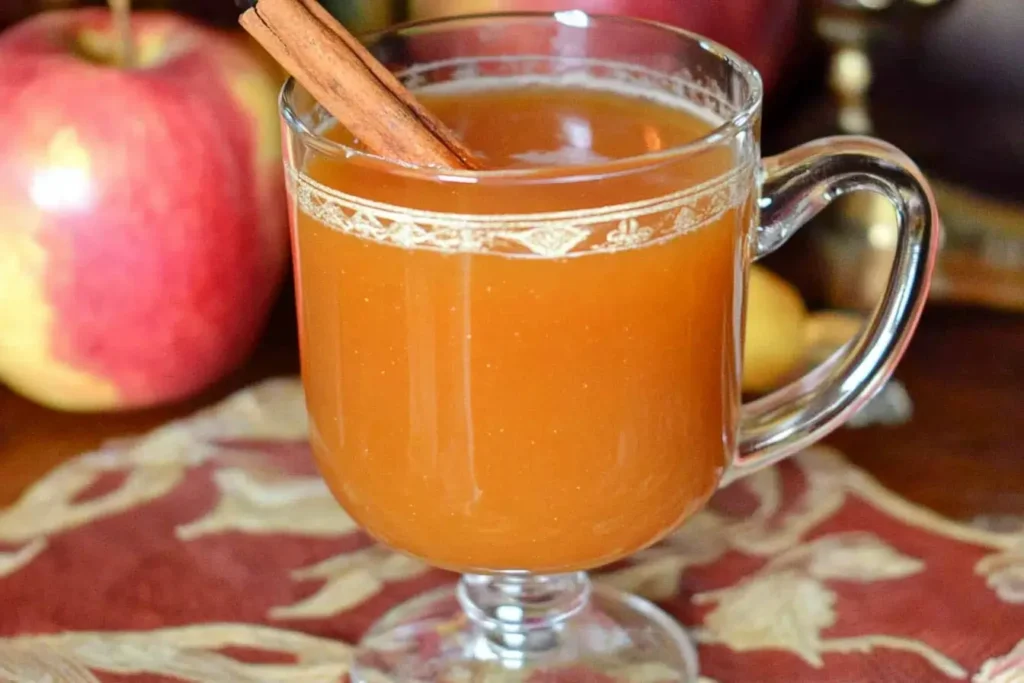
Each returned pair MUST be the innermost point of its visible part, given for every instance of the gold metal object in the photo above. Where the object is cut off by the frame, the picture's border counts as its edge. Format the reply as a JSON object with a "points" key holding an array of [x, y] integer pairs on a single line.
{"points": [[982, 260]]}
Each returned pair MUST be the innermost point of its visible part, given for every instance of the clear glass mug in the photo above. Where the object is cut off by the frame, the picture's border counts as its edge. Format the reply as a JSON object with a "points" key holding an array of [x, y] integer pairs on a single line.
{"points": [[521, 375]]}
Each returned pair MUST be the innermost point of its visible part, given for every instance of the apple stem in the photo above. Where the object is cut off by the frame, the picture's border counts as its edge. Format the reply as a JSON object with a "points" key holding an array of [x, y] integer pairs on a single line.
{"points": [[122, 11]]}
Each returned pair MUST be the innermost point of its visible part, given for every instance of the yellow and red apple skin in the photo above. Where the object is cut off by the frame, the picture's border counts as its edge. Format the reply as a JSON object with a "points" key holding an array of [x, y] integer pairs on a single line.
{"points": [[142, 216], [762, 31]]}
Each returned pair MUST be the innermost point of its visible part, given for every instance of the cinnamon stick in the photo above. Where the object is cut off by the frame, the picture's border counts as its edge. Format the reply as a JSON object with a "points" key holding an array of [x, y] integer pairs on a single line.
{"points": [[354, 87]]}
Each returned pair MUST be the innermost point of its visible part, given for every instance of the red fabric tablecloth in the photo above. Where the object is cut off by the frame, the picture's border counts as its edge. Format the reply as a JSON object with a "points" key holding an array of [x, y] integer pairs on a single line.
{"points": [[210, 551]]}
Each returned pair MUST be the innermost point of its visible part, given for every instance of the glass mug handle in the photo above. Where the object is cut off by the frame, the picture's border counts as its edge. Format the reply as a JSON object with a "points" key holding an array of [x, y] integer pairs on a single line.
{"points": [[796, 186]]}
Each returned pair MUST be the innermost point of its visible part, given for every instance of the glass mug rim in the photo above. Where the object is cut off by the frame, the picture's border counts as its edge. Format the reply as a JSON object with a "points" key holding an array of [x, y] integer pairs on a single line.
{"points": [[727, 129]]}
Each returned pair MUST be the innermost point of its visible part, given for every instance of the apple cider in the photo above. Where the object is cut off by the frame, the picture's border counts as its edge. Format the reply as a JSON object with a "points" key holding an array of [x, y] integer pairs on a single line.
{"points": [[536, 367]]}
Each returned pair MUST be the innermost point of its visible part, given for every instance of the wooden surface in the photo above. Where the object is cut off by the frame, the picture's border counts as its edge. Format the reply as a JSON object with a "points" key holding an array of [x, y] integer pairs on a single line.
{"points": [[33, 439], [962, 454]]}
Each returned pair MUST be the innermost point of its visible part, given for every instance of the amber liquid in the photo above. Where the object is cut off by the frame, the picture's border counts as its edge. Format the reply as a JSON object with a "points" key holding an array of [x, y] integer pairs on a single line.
{"points": [[504, 411]]}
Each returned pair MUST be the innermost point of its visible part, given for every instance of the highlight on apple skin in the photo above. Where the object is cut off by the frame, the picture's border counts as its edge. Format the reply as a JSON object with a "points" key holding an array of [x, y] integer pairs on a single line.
{"points": [[143, 228]]}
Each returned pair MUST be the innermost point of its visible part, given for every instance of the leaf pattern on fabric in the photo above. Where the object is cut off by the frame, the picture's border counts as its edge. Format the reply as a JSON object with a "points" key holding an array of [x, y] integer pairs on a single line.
{"points": [[186, 654], [789, 562]]}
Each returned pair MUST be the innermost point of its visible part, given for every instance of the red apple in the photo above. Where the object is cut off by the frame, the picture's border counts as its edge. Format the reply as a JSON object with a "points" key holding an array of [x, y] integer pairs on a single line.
{"points": [[142, 218], [762, 31]]}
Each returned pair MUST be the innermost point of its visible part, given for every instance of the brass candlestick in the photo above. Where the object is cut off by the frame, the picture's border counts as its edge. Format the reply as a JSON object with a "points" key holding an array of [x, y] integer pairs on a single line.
{"points": [[982, 261]]}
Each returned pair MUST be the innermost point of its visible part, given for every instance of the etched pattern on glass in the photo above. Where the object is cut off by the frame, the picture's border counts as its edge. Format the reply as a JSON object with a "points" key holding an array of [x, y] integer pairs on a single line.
{"points": [[549, 235]]}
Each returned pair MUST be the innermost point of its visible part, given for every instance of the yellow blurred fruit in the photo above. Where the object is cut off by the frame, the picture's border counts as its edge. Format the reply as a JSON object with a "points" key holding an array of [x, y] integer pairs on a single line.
{"points": [[827, 331], [774, 348]]}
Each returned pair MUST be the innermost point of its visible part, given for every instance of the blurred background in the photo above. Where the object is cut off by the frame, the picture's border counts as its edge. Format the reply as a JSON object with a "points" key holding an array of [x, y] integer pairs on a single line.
{"points": [[942, 79]]}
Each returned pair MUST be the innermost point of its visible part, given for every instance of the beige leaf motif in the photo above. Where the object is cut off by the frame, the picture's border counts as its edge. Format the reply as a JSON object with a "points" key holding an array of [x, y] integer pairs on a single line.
{"points": [[766, 533], [654, 573], [868, 643], [779, 611], [1006, 669], [154, 465], [856, 556], [14, 561], [1004, 573], [349, 580], [788, 610], [860, 557], [656, 578], [188, 654], [252, 503], [49, 508], [39, 663], [273, 410]]}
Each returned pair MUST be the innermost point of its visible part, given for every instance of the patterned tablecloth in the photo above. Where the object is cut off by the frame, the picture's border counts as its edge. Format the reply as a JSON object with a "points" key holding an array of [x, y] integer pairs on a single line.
{"points": [[210, 551]]}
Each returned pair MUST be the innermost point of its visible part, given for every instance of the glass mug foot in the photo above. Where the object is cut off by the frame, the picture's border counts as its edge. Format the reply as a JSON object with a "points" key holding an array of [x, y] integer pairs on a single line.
{"points": [[526, 628]]}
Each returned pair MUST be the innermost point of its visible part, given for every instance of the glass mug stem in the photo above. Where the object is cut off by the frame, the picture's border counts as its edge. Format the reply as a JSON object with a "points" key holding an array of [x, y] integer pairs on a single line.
{"points": [[520, 614], [798, 184]]}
